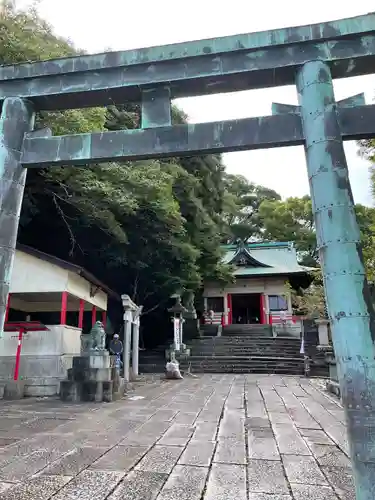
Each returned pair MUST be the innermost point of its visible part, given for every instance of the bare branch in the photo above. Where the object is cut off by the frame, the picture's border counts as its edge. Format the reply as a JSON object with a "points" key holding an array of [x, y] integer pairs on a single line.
{"points": [[72, 238]]}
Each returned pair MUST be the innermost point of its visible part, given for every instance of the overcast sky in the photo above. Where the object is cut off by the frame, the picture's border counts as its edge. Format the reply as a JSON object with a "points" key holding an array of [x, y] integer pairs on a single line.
{"points": [[119, 24]]}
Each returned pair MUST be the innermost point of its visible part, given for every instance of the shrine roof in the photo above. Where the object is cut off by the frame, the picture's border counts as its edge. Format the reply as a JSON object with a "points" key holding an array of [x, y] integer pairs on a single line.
{"points": [[262, 259]]}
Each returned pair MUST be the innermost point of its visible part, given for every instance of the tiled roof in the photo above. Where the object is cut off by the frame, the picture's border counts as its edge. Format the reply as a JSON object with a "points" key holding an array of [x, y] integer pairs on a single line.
{"points": [[273, 258]]}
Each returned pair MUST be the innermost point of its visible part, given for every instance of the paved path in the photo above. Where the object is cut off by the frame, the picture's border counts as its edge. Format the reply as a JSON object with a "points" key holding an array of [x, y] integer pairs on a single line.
{"points": [[219, 437]]}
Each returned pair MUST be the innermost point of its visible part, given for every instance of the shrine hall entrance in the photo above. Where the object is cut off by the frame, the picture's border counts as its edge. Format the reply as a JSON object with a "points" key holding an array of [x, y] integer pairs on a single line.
{"points": [[246, 308]]}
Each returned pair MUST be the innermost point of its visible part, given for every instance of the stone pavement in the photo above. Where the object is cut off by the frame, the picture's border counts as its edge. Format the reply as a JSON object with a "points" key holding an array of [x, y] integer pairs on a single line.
{"points": [[215, 437]]}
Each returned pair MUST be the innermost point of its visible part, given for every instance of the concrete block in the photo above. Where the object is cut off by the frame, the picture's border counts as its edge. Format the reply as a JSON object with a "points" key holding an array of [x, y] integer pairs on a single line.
{"points": [[41, 390], [14, 389], [107, 391], [70, 391], [92, 391]]}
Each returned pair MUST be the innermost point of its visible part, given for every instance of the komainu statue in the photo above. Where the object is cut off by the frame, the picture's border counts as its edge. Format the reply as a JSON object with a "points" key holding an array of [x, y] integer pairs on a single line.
{"points": [[98, 336]]}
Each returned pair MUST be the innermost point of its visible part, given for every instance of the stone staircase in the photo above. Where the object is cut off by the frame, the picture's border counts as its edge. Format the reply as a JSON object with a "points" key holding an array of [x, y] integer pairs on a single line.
{"points": [[244, 353], [152, 361], [242, 329]]}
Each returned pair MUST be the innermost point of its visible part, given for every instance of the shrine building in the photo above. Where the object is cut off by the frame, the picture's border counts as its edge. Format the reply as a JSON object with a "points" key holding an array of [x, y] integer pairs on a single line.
{"points": [[259, 293], [66, 300]]}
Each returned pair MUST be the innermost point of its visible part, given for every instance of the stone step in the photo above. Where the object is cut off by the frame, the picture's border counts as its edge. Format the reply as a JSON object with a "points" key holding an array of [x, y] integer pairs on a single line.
{"points": [[246, 358], [151, 368], [240, 369], [235, 367], [246, 338]]}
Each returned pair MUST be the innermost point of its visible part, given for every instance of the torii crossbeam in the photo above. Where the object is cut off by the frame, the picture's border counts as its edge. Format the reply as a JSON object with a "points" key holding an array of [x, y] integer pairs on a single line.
{"points": [[308, 57]]}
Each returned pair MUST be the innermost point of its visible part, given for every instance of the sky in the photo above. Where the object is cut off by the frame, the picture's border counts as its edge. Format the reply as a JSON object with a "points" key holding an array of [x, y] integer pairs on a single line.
{"points": [[120, 25]]}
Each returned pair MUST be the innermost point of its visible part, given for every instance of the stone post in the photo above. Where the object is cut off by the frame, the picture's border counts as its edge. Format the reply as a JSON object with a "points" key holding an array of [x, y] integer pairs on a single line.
{"points": [[323, 331], [16, 119], [349, 305], [128, 319], [131, 322], [135, 354]]}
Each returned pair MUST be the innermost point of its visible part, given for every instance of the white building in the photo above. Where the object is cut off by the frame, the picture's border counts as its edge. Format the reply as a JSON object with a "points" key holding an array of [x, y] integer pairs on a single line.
{"points": [[63, 297]]}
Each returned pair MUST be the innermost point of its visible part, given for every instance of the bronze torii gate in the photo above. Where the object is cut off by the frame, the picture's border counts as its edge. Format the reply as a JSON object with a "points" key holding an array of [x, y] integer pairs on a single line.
{"points": [[308, 57]]}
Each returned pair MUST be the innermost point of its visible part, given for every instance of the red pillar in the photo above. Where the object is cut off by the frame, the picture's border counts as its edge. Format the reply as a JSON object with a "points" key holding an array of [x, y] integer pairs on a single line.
{"points": [[7, 308], [263, 318], [229, 306], [80, 314], [104, 317], [64, 305], [93, 316], [18, 354]]}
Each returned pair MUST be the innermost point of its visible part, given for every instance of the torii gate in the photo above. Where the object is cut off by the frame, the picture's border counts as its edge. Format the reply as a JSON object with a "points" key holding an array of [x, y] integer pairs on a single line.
{"points": [[308, 57]]}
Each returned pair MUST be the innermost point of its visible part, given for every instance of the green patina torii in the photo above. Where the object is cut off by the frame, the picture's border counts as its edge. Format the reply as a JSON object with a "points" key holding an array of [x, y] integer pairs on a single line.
{"points": [[308, 57]]}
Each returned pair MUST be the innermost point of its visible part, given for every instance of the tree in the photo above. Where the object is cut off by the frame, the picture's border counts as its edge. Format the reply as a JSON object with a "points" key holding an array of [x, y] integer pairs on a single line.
{"points": [[243, 200], [291, 220], [146, 228], [311, 301]]}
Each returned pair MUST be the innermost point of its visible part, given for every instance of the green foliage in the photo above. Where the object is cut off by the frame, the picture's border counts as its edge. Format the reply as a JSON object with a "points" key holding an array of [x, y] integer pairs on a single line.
{"points": [[146, 228], [242, 205], [291, 220], [310, 302]]}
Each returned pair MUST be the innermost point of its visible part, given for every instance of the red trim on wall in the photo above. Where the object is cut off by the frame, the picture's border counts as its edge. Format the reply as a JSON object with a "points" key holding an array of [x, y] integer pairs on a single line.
{"points": [[80, 314], [104, 317], [229, 306], [93, 316], [64, 305], [7, 308], [263, 318]]}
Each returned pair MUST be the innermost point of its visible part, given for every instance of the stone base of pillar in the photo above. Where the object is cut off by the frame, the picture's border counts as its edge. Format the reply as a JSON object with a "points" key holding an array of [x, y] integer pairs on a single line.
{"points": [[92, 379]]}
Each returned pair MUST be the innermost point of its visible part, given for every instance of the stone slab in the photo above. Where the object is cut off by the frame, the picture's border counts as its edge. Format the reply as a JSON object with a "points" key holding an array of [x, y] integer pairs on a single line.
{"points": [[120, 458], [262, 445], [177, 435], [205, 431], [26, 466], [230, 451], [303, 470], [257, 423], [73, 462], [35, 488], [226, 482], [266, 496], [312, 492], [185, 418], [139, 485], [330, 455], [163, 415], [198, 453], [266, 476], [341, 479], [184, 483], [160, 459], [89, 485], [289, 440], [280, 418], [316, 436]]}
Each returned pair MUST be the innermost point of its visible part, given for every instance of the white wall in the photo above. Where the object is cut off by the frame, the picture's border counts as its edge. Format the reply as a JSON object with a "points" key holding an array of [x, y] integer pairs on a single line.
{"points": [[31, 274], [81, 288], [270, 286], [34, 275], [58, 340]]}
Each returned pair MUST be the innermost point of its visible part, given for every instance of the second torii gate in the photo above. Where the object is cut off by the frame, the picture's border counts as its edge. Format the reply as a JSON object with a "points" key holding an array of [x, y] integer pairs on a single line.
{"points": [[308, 57]]}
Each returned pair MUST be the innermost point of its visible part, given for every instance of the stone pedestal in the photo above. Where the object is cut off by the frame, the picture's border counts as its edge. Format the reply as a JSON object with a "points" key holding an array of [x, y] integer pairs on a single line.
{"points": [[92, 379]]}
